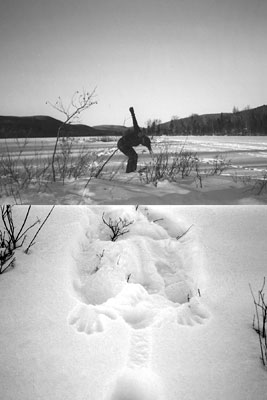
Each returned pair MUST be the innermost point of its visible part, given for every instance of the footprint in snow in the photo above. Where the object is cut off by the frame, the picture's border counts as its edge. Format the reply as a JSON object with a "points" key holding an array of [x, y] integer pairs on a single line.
{"points": [[90, 319]]}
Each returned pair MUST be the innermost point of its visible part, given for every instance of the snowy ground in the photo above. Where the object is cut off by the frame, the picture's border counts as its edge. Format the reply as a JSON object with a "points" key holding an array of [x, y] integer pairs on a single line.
{"points": [[247, 157], [147, 317]]}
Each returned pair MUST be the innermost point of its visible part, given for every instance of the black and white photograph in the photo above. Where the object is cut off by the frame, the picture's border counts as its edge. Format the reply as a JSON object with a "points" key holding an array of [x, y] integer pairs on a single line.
{"points": [[133, 200], [133, 102]]}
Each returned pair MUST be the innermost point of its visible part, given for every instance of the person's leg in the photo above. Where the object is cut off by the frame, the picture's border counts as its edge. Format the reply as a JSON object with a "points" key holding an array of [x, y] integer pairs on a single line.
{"points": [[122, 146], [132, 162], [131, 154]]}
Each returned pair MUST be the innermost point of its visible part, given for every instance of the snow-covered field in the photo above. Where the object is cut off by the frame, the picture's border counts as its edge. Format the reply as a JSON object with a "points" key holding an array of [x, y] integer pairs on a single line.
{"points": [[162, 313], [247, 157]]}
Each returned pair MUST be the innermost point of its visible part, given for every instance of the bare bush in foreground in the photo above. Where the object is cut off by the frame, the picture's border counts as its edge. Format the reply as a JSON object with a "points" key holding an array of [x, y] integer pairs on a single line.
{"points": [[79, 103], [20, 175], [260, 320], [75, 164], [12, 238], [19, 172]]}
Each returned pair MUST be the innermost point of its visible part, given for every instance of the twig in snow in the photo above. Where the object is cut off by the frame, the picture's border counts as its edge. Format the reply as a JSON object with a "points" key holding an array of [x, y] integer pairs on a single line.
{"points": [[32, 241], [184, 233], [159, 219]]}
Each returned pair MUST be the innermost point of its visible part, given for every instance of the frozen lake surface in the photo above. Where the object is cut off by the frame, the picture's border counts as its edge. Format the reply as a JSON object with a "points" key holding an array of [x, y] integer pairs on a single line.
{"points": [[245, 156], [243, 151]]}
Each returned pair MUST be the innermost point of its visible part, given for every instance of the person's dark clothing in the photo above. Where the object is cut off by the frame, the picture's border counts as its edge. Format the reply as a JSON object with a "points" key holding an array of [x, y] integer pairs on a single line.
{"points": [[145, 141], [130, 153], [126, 144], [130, 140]]}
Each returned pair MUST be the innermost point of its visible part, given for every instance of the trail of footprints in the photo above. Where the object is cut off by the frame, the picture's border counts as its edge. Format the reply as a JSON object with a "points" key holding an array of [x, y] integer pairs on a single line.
{"points": [[143, 296]]}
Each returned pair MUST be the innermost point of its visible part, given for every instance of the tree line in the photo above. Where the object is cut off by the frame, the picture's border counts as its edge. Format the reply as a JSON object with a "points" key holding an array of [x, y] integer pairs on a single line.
{"points": [[245, 122]]}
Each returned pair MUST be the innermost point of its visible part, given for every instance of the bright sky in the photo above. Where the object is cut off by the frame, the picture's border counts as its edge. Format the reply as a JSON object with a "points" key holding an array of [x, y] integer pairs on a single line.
{"points": [[163, 57]]}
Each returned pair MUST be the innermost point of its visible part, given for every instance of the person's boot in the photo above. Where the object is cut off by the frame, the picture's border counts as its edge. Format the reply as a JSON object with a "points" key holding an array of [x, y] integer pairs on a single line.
{"points": [[131, 165]]}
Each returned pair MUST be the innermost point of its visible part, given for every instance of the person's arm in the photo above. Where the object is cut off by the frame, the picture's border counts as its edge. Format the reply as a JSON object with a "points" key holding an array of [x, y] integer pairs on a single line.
{"points": [[137, 129], [147, 143]]}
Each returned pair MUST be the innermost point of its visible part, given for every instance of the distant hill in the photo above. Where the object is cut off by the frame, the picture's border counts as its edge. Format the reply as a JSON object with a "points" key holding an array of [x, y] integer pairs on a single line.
{"points": [[246, 122], [112, 128], [45, 126]]}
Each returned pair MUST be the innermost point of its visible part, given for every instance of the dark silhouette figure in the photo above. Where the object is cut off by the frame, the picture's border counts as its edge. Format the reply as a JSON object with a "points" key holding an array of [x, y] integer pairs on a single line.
{"points": [[130, 140]]}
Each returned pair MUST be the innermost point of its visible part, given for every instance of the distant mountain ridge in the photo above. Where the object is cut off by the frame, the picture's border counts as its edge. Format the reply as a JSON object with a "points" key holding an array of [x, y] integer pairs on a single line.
{"points": [[115, 128], [246, 122], [251, 121], [45, 126]]}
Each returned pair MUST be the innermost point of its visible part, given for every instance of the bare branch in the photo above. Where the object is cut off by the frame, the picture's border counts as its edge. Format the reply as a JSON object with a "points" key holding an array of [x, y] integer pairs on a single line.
{"points": [[32, 241], [184, 233], [79, 102], [117, 227]]}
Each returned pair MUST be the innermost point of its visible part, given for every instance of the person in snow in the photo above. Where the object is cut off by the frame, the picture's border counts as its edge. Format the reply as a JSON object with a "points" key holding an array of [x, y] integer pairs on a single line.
{"points": [[130, 140]]}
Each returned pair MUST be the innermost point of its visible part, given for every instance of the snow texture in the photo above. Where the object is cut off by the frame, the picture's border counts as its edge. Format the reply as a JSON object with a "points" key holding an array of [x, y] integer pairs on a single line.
{"points": [[136, 385], [148, 316], [149, 275]]}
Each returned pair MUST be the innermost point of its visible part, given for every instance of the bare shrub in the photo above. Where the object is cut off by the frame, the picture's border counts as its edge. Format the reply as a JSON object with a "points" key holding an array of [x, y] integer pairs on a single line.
{"points": [[19, 172], [118, 227], [260, 184], [79, 103], [260, 320], [219, 165], [169, 166], [188, 162], [74, 164], [12, 238], [216, 167], [155, 171]]}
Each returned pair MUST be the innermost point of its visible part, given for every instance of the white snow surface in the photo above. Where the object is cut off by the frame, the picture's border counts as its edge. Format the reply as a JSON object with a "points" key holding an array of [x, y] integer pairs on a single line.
{"points": [[153, 315]]}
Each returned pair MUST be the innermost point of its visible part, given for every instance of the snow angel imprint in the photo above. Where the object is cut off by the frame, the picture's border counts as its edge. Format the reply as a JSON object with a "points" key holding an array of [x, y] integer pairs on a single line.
{"points": [[149, 275]]}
